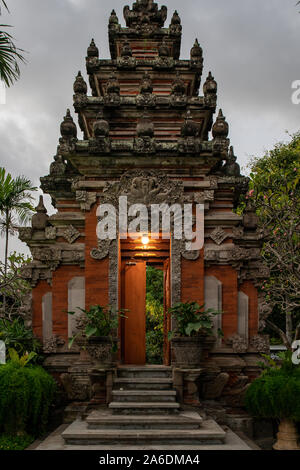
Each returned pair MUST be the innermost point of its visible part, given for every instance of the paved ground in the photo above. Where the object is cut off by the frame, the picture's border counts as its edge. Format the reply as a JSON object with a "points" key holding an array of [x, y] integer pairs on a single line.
{"points": [[55, 442]]}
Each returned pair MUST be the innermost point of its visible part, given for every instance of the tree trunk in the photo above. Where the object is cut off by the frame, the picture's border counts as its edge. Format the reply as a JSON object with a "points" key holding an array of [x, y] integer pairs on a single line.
{"points": [[6, 255], [289, 327]]}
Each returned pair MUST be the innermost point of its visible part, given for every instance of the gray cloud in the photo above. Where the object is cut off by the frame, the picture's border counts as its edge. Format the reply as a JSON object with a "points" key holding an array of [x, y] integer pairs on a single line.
{"points": [[250, 46]]}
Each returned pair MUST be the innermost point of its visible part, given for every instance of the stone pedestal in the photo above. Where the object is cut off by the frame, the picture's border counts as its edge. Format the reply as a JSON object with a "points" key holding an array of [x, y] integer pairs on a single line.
{"points": [[185, 383]]}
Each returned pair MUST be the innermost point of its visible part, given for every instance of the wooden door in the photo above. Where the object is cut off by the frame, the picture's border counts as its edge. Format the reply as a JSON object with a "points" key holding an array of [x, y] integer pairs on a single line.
{"points": [[167, 320], [135, 324]]}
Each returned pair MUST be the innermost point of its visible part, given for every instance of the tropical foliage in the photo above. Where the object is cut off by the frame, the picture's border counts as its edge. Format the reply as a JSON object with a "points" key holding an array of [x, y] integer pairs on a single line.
{"points": [[154, 315], [192, 319], [26, 394], [276, 394], [10, 55], [275, 192], [17, 336], [98, 321]]}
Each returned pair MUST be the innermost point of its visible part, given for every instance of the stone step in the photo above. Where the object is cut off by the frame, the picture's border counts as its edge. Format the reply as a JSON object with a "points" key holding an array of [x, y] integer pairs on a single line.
{"points": [[79, 434], [144, 407], [106, 420], [156, 383], [144, 395], [144, 372]]}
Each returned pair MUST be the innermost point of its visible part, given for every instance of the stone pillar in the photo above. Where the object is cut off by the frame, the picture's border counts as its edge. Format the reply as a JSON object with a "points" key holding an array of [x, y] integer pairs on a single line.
{"points": [[243, 315], [47, 316], [76, 300], [213, 299]]}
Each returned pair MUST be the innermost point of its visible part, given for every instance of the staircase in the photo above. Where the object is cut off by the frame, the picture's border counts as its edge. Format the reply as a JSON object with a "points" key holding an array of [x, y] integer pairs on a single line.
{"points": [[144, 412]]}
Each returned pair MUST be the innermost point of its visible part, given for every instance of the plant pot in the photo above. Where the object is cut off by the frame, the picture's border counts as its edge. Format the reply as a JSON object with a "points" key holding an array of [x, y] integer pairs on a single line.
{"points": [[187, 351], [287, 437], [100, 349]]}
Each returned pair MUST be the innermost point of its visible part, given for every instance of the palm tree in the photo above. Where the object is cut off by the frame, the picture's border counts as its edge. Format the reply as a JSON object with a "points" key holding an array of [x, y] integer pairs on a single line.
{"points": [[15, 200], [9, 55]]}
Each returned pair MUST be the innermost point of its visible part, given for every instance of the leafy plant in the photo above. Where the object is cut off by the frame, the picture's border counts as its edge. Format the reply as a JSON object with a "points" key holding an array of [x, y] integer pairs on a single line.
{"points": [[192, 319], [23, 360], [99, 321], [8, 442], [16, 336], [26, 395], [276, 394]]}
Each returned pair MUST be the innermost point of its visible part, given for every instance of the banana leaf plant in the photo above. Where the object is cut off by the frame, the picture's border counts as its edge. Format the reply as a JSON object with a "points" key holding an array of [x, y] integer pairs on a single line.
{"points": [[192, 319]]}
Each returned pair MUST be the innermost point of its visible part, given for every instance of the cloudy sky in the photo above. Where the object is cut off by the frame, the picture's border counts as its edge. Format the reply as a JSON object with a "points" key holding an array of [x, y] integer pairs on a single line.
{"points": [[251, 47]]}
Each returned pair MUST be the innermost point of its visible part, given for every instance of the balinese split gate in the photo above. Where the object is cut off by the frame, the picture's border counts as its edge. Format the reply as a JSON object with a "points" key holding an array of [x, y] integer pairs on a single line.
{"points": [[149, 130]]}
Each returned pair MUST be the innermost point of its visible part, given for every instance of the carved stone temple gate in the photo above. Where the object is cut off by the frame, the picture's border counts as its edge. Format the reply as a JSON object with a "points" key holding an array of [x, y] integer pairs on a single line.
{"points": [[146, 134]]}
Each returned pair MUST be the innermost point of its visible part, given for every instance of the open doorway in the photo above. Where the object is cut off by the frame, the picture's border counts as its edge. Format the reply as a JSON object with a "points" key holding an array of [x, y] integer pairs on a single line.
{"points": [[154, 314], [145, 294]]}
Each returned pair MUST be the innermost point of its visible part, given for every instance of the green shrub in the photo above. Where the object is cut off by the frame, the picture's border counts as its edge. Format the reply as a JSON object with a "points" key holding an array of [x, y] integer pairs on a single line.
{"points": [[15, 335], [8, 442], [26, 394], [154, 347], [276, 394]]}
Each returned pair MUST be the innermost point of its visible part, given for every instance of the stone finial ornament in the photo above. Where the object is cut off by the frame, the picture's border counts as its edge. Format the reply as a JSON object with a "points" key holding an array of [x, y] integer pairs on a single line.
{"points": [[163, 50], [189, 128], [178, 85], [100, 126], [80, 86], [250, 219], [145, 12], [175, 18], [126, 49], [146, 84], [68, 127], [58, 167], [232, 168], [93, 50], [40, 219], [113, 19], [210, 86], [196, 51], [145, 127], [220, 127], [113, 85]]}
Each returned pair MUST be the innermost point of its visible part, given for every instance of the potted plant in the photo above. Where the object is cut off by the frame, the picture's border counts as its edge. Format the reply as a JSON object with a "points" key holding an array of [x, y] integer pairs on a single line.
{"points": [[276, 394], [97, 335], [193, 325]]}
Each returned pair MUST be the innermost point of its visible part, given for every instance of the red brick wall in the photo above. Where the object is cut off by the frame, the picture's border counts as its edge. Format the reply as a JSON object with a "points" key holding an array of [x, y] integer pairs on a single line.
{"points": [[192, 280], [38, 293], [96, 272], [228, 276], [249, 289]]}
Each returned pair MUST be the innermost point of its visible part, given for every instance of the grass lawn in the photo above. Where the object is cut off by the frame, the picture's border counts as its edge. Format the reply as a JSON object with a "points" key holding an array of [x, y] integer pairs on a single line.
{"points": [[15, 442]]}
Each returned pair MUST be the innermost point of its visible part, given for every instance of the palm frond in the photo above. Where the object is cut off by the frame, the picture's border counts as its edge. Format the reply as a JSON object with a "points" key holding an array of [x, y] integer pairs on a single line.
{"points": [[10, 56], [2, 2]]}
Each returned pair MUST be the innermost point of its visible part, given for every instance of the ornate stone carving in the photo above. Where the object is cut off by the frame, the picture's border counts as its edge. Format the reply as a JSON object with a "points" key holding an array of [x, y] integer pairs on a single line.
{"points": [[68, 131], [231, 254], [145, 13], [189, 143], [86, 199], [210, 89], [231, 167], [218, 235], [178, 96], [48, 255], [77, 383], [102, 251], [126, 61], [80, 86], [196, 56], [25, 233], [50, 233], [213, 389], [260, 343], [39, 220], [175, 27], [164, 61], [52, 345], [58, 167], [112, 97], [71, 234], [146, 98], [238, 344]]}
